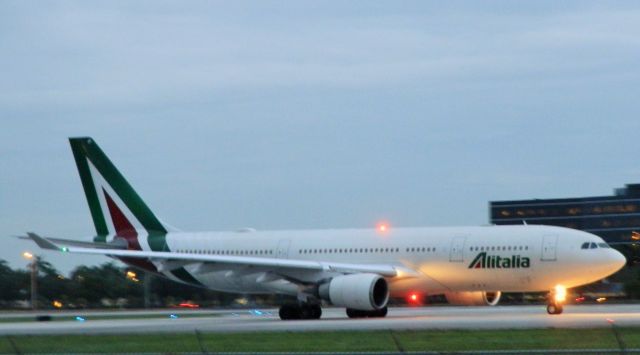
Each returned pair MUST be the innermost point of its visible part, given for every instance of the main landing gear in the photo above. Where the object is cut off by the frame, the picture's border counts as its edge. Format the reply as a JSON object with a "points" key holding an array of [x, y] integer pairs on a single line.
{"points": [[555, 300], [354, 313], [300, 311]]}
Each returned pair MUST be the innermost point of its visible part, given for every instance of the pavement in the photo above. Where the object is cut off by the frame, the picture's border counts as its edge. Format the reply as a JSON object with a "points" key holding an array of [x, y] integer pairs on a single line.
{"points": [[401, 318]]}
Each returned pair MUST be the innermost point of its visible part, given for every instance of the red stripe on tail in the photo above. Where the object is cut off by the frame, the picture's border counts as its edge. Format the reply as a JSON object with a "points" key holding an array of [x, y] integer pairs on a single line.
{"points": [[126, 230], [123, 227]]}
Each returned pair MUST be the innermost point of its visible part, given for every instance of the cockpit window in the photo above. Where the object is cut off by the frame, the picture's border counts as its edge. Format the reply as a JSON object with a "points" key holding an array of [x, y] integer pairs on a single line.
{"points": [[593, 246], [585, 245], [603, 245]]}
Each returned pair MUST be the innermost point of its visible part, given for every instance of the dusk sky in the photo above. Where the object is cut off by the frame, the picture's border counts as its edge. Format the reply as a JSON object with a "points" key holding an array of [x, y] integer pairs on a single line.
{"points": [[305, 115]]}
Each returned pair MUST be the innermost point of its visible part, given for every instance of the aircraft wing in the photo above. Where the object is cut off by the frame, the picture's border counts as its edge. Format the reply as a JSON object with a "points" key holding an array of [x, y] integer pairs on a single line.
{"points": [[185, 258]]}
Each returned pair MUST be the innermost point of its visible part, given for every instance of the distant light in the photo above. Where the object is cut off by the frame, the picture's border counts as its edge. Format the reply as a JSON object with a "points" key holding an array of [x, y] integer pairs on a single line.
{"points": [[57, 304], [601, 299], [382, 227], [132, 276], [611, 321], [27, 255], [635, 235], [173, 316], [80, 319], [65, 249], [560, 294]]}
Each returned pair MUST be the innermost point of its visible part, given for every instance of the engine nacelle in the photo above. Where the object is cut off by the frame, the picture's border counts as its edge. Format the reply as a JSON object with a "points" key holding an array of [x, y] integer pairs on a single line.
{"points": [[475, 298], [365, 292]]}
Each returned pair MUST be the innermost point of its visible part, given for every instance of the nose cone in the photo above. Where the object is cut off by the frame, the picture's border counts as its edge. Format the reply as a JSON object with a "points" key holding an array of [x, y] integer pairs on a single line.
{"points": [[605, 262], [617, 260]]}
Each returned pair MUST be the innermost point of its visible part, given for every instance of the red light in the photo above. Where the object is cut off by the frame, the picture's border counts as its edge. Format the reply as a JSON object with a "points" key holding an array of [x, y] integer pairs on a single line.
{"points": [[413, 299]]}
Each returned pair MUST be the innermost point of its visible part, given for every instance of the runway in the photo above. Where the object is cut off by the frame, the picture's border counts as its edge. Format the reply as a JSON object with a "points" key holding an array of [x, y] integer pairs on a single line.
{"points": [[500, 317]]}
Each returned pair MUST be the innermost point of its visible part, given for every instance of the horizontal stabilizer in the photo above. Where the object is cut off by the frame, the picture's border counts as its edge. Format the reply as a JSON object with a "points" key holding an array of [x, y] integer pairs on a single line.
{"points": [[42, 242], [116, 244]]}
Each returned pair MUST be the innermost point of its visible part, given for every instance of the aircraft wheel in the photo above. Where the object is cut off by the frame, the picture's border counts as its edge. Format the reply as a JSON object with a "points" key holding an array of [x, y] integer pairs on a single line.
{"points": [[380, 313], [289, 312], [317, 311], [354, 313], [553, 308], [310, 311]]}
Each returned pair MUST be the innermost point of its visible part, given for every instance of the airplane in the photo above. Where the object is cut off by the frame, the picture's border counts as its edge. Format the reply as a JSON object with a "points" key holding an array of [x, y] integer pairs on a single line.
{"points": [[358, 269]]}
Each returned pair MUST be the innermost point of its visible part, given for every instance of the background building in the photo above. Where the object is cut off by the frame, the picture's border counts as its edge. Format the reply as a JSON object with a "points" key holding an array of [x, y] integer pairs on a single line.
{"points": [[614, 218]]}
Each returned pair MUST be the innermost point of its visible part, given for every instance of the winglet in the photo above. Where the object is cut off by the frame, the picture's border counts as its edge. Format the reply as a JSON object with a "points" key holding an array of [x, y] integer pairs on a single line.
{"points": [[44, 243]]}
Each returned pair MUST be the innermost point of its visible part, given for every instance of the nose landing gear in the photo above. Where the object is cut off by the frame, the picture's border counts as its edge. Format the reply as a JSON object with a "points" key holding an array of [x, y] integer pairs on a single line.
{"points": [[553, 308], [555, 300]]}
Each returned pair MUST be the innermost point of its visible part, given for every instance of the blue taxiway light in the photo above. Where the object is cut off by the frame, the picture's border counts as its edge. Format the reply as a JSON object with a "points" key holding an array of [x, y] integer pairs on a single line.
{"points": [[80, 319], [173, 316]]}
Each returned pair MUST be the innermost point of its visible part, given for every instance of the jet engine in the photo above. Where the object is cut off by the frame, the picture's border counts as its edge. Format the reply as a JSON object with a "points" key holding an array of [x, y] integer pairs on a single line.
{"points": [[365, 292], [475, 298]]}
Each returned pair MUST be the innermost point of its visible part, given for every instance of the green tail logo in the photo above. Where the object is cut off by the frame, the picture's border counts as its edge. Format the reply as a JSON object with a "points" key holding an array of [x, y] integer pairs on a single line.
{"points": [[115, 206]]}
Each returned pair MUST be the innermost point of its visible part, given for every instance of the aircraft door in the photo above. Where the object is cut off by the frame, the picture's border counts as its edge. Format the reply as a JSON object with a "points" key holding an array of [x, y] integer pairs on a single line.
{"points": [[457, 249], [283, 249], [549, 243]]}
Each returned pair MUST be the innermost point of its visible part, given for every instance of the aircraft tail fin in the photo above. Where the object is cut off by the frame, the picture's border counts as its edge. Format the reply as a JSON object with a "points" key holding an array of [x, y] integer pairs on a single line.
{"points": [[115, 206]]}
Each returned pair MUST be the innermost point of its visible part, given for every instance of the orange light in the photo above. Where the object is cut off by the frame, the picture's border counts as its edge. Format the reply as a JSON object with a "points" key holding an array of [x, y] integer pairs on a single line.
{"points": [[635, 235], [601, 299], [382, 227], [560, 293]]}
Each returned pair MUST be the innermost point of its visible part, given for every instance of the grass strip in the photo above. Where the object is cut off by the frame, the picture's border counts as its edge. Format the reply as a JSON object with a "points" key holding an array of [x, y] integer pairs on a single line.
{"points": [[342, 341]]}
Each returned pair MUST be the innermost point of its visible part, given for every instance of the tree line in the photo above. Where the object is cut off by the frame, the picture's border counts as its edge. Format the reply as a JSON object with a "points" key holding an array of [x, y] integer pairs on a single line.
{"points": [[108, 285]]}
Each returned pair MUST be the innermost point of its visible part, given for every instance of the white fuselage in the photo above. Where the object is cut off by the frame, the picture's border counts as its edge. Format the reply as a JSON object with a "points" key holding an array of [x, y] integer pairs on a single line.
{"points": [[517, 258]]}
